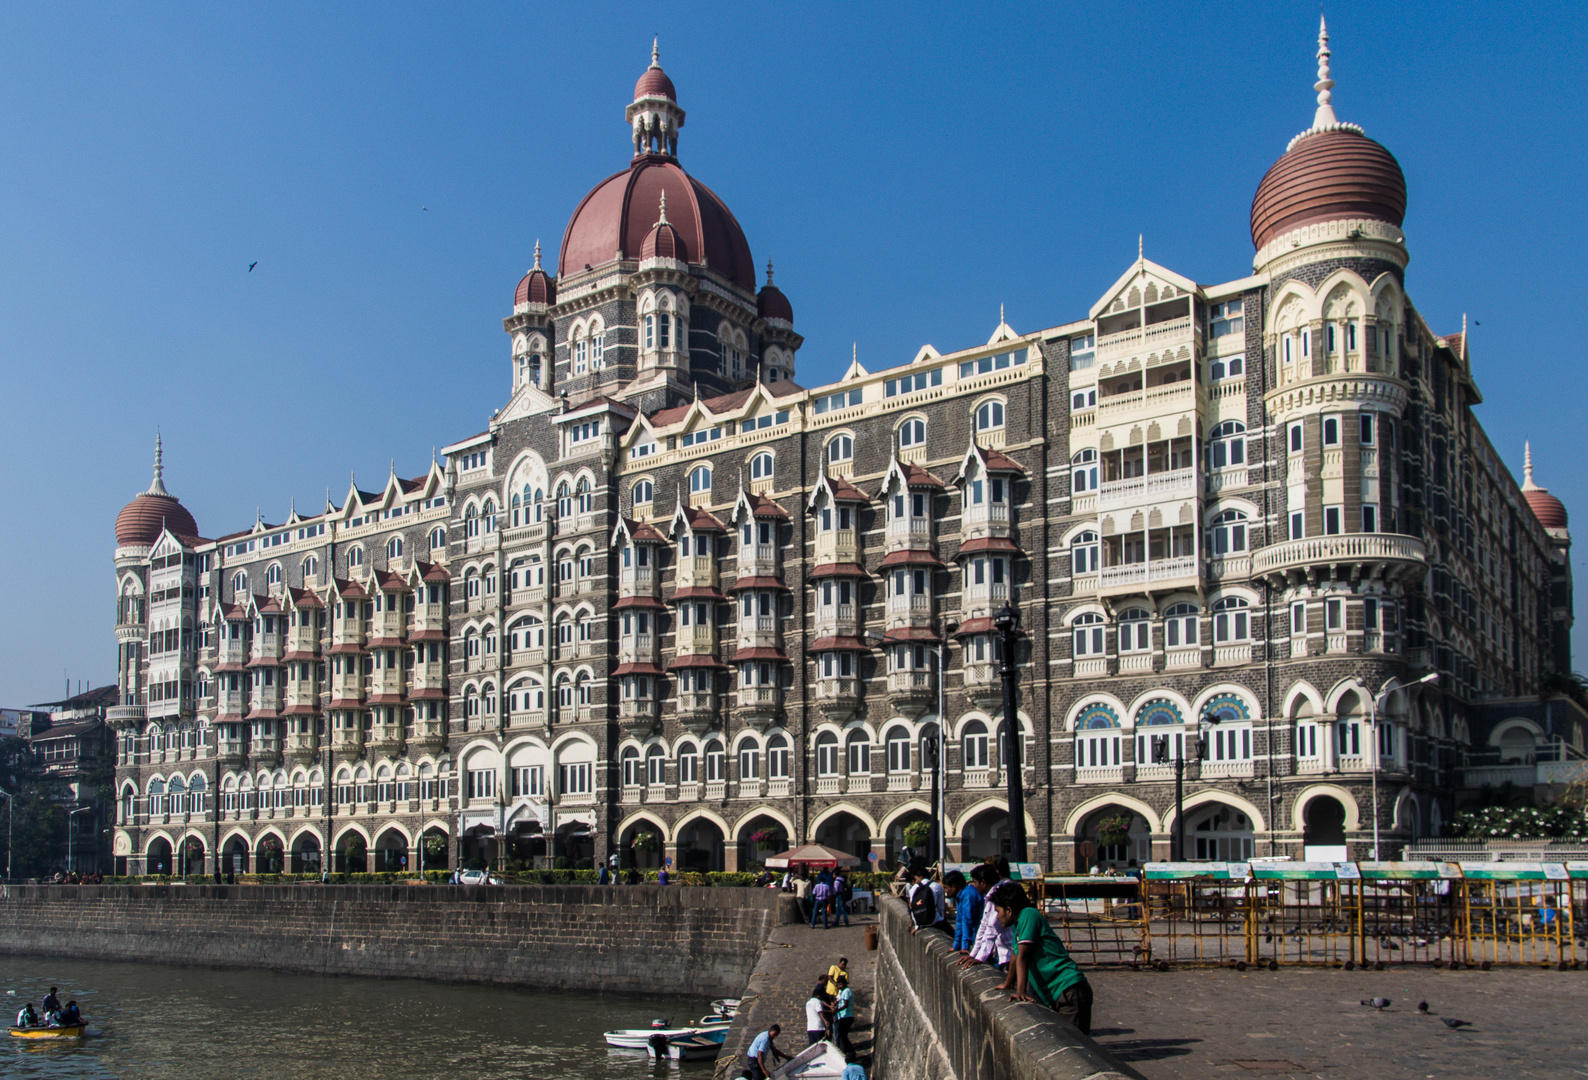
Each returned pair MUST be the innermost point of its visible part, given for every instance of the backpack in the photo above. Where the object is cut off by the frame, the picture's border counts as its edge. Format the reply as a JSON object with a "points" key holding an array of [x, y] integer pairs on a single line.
{"points": [[923, 905], [846, 890]]}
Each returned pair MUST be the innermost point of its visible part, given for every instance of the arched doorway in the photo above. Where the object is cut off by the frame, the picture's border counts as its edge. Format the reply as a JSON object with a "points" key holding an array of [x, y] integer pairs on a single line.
{"points": [[1323, 823], [897, 844], [351, 854], [700, 846], [158, 859], [1218, 833], [773, 838], [572, 841], [985, 835], [306, 854], [641, 845], [1112, 836], [234, 856], [391, 852], [433, 849], [847, 833], [269, 855], [192, 857], [525, 843], [479, 848]]}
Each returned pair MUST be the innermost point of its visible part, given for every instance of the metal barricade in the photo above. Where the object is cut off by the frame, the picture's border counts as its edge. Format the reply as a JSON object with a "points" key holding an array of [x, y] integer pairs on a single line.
{"points": [[1520, 913], [1199, 913], [1304, 917], [1101, 920]]}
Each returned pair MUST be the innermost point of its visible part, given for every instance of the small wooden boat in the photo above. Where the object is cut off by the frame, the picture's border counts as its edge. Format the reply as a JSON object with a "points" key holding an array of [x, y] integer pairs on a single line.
{"points": [[725, 1006], [715, 1020], [819, 1061], [696, 1046], [73, 1032]]}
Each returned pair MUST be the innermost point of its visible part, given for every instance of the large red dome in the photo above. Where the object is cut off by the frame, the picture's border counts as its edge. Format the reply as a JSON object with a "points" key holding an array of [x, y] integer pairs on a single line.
{"points": [[1325, 176], [615, 218], [141, 520]]}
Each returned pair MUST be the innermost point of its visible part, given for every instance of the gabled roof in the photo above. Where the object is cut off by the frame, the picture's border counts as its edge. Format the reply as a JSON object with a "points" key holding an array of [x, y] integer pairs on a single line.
{"points": [[432, 572], [838, 490], [991, 461], [910, 474], [1139, 270], [717, 408], [758, 505], [638, 532], [696, 520]]}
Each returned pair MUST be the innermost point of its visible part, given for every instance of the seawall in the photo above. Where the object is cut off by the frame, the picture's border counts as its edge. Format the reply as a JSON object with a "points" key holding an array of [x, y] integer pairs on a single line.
{"points": [[640, 939], [936, 1021]]}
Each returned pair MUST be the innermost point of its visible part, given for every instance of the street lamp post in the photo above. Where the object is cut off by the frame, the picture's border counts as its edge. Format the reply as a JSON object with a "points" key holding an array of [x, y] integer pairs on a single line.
{"points": [[69, 833], [1378, 702], [10, 803], [1162, 756], [939, 842], [1007, 622]]}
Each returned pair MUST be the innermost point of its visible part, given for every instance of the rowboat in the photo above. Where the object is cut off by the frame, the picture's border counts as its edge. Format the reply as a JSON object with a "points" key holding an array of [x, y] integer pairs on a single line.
{"points": [[725, 1006], [715, 1020], [73, 1032], [700, 1046], [640, 1038], [819, 1061]]}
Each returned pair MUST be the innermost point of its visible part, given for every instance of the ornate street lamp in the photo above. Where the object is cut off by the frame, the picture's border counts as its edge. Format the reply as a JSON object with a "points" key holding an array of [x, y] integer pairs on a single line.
{"points": [[1007, 621]]}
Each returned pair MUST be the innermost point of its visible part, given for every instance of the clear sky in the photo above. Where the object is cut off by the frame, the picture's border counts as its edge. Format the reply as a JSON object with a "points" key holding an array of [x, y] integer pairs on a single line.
{"points": [[908, 168]]}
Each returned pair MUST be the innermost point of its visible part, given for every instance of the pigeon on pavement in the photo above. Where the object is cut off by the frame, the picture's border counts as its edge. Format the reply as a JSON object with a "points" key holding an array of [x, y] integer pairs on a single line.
{"points": [[1422, 1007], [1378, 1003], [1452, 1023]]}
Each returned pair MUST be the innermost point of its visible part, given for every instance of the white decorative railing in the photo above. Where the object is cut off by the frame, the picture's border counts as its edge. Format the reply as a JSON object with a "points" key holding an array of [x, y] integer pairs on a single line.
{"points": [[1353, 547], [1155, 570], [1154, 487]]}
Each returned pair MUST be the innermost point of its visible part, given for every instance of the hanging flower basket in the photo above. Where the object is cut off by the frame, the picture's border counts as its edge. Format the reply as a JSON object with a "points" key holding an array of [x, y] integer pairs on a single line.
{"points": [[765, 839], [1114, 830], [918, 833], [645, 841]]}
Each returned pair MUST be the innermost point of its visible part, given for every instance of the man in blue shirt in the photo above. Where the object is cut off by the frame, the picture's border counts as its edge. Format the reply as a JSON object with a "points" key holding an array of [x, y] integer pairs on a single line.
{"points": [[852, 1069], [968, 905], [761, 1059]]}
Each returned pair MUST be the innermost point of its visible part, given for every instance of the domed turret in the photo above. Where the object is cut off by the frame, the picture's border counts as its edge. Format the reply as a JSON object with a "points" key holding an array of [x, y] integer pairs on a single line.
{"points": [[663, 241], [1550, 511], [1329, 172], [536, 287], [141, 520], [655, 83], [771, 303]]}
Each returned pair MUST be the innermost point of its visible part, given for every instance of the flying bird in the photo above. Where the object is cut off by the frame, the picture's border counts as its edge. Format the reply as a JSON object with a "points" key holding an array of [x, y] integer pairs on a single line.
{"points": [[1422, 1007], [1377, 1003], [1452, 1023], [252, 265], [424, 208]]}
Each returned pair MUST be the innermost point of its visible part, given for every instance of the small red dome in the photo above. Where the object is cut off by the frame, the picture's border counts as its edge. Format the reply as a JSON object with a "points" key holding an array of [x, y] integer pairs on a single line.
{"points": [[536, 287], [654, 83], [1550, 511], [1325, 176], [772, 304], [663, 242], [141, 520]]}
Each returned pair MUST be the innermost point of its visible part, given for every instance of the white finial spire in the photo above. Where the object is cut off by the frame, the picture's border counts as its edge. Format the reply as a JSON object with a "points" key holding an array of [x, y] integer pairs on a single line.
{"points": [[157, 487], [769, 271], [537, 256], [1141, 247], [663, 219], [854, 352], [1325, 118], [1527, 468], [656, 51]]}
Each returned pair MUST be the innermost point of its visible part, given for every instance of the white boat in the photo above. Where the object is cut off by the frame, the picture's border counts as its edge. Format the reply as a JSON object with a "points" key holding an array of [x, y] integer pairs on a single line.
{"points": [[640, 1038], [699, 1046], [725, 1006], [715, 1020], [819, 1061]]}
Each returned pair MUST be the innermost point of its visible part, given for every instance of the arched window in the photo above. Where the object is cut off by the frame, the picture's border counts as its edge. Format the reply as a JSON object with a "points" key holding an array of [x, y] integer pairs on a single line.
{"points": [[488, 513], [471, 521], [355, 556], [311, 566], [583, 495], [1180, 626], [749, 760], [989, 416], [1228, 533], [644, 492], [716, 763], [778, 758], [631, 766], [273, 575], [859, 747], [912, 433], [842, 448], [564, 691], [650, 332], [898, 744], [974, 743], [1083, 554], [1088, 634], [564, 500], [1227, 445], [700, 478], [655, 767], [1135, 630], [1083, 472], [1231, 620], [688, 763], [761, 467], [582, 687], [827, 754], [438, 539], [240, 580], [598, 346], [394, 548]]}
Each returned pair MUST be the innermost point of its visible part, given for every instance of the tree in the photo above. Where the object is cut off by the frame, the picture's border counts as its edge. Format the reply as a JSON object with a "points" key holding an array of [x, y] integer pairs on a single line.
{"points": [[39, 814]]}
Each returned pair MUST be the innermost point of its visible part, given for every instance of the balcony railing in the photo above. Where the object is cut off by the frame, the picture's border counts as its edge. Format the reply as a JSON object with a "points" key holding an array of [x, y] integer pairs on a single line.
{"points": [[1153, 572], [1157, 399], [1154, 487], [1388, 549]]}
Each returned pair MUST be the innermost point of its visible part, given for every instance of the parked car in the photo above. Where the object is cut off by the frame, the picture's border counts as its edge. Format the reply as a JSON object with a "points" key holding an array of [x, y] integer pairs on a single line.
{"points": [[477, 877]]}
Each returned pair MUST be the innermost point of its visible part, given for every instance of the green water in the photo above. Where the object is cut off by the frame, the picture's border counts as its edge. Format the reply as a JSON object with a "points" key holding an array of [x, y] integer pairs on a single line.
{"points": [[152, 1021]]}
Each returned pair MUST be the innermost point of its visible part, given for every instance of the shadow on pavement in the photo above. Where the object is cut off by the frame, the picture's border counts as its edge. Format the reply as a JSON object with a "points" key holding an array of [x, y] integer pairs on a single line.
{"points": [[1147, 1049]]}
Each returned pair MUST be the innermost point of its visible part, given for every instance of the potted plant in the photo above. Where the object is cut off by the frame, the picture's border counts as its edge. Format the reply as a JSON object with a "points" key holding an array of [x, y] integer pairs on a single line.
{"points": [[644, 841], [1113, 830], [918, 834], [765, 839]]}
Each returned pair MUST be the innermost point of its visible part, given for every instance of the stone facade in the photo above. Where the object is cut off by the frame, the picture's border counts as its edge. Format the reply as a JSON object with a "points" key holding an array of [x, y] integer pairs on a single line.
{"points": [[674, 604]]}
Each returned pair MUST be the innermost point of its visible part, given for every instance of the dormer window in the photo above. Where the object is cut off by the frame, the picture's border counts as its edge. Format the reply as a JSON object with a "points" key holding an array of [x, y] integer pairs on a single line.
{"points": [[841, 516], [990, 490], [842, 448], [912, 433]]}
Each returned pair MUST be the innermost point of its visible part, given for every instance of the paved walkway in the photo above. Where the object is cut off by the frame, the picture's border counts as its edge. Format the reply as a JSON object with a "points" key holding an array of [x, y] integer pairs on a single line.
{"points": [[793, 958], [1300, 1022]]}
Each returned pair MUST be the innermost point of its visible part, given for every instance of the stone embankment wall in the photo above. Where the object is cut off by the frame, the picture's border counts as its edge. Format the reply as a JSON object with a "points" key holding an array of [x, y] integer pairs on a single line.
{"points": [[642, 938], [935, 1021]]}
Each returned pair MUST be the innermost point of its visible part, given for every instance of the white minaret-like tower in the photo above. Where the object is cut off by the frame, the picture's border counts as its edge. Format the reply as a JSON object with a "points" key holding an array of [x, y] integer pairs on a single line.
{"points": [[654, 114]]}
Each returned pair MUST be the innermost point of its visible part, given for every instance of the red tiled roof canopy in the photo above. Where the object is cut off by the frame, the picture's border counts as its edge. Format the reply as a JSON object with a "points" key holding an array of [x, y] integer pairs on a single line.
{"points": [[989, 543], [828, 644], [637, 602], [695, 660], [699, 592], [702, 521], [762, 506], [757, 583], [839, 569], [759, 654], [918, 634], [637, 669], [911, 558]]}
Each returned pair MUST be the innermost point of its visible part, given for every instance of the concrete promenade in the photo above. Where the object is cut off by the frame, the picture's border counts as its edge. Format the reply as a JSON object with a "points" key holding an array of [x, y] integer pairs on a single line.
{"points": [[794, 957], [1297, 1022]]}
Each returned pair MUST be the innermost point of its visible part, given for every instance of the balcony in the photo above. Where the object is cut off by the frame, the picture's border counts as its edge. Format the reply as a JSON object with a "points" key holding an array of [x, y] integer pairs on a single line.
{"points": [[122, 715], [1214, 770], [1365, 554], [266, 698], [977, 778], [759, 706], [696, 572], [761, 632], [984, 684], [837, 620], [697, 639], [636, 648], [386, 740], [303, 639], [910, 609], [1152, 488], [348, 743], [983, 600], [431, 675], [265, 748], [716, 790], [429, 735], [388, 625], [838, 699], [639, 716], [1182, 658], [303, 746], [912, 692], [984, 520], [267, 648], [757, 560], [637, 581], [303, 693], [1154, 401], [430, 617], [386, 682], [1102, 774], [230, 753], [1155, 575], [909, 534], [230, 650], [697, 711], [837, 546], [347, 685], [829, 785]]}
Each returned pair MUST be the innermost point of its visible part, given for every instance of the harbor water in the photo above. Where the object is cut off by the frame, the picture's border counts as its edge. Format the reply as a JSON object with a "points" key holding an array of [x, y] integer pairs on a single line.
{"points": [[155, 1022]]}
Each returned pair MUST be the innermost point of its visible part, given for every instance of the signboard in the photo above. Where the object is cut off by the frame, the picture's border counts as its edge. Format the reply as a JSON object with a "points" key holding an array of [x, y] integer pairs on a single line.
{"points": [[1511, 871], [1577, 869], [1300, 871], [1185, 871], [1025, 871], [1400, 871]]}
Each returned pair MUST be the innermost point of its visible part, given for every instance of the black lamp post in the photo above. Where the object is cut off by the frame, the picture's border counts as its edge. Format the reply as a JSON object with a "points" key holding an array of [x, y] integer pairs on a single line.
{"points": [[1008, 623], [1161, 755]]}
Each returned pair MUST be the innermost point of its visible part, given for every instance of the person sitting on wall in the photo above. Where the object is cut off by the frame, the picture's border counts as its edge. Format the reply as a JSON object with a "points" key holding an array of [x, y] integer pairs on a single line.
{"points": [[27, 1017], [994, 942], [1042, 969]]}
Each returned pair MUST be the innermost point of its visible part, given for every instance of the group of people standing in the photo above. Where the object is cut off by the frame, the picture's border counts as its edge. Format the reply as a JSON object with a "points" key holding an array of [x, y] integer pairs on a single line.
{"points": [[827, 894], [829, 1015], [54, 1014]]}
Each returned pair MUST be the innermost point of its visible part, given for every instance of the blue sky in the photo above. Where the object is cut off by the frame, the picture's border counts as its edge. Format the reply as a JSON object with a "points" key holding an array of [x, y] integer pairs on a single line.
{"points": [[908, 168]]}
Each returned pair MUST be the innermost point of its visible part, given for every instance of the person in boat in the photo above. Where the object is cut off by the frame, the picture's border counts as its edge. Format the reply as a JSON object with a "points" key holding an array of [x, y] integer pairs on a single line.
{"points": [[761, 1059], [27, 1018], [52, 1004], [72, 1016]]}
